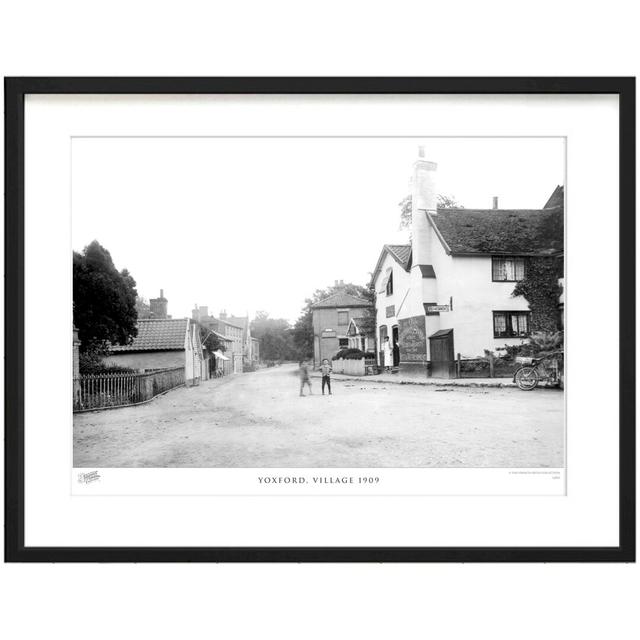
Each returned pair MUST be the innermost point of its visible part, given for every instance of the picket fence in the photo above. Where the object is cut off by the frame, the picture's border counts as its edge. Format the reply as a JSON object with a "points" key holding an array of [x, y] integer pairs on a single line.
{"points": [[121, 389]]}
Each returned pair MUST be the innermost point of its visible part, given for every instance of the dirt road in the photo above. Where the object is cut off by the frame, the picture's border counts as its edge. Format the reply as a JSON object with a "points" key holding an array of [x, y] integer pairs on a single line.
{"points": [[258, 420]]}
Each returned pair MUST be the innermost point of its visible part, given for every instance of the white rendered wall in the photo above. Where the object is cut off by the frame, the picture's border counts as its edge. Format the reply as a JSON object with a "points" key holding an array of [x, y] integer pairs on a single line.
{"points": [[466, 280], [401, 285], [475, 296]]}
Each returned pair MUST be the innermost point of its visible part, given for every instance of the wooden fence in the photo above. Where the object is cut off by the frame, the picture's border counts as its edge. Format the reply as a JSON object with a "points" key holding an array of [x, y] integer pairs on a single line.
{"points": [[121, 389], [487, 367], [359, 367]]}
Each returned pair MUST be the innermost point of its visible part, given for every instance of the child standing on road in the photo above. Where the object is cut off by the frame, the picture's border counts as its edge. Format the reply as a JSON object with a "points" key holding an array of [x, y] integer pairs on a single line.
{"points": [[304, 377], [325, 370]]}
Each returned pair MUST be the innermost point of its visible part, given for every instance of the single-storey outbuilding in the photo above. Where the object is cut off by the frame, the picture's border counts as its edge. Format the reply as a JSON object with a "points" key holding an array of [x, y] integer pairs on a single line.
{"points": [[162, 344]]}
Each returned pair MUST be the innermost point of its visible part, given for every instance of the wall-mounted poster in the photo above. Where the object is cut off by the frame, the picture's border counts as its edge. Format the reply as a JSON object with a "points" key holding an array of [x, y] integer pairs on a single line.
{"points": [[412, 338]]}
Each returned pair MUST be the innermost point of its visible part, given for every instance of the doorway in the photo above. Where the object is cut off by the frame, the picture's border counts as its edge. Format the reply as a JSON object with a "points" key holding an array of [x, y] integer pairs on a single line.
{"points": [[395, 345], [442, 354]]}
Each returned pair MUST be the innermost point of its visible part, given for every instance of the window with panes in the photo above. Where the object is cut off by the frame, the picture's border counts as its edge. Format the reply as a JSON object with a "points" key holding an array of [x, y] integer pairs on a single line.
{"points": [[507, 268], [510, 324]]}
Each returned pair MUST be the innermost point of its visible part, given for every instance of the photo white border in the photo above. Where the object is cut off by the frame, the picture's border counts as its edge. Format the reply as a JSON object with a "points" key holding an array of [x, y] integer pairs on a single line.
{"points": [[587, 516]]}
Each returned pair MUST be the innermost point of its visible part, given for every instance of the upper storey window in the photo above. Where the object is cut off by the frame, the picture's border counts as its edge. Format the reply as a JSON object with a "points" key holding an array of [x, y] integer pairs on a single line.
{"points": [[507, 269]]}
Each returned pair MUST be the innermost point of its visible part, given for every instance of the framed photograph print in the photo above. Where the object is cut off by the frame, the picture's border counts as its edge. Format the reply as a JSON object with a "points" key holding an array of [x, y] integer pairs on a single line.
{"points": [[320, 319]]}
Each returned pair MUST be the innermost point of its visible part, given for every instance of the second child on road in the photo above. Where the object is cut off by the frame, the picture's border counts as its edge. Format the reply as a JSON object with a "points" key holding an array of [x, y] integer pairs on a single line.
{"points": [[325, 371], [304, 377]]}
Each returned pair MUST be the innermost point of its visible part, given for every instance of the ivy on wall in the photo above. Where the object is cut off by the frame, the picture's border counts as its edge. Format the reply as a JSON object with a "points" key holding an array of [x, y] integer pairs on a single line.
{"points": [[541, 290]]}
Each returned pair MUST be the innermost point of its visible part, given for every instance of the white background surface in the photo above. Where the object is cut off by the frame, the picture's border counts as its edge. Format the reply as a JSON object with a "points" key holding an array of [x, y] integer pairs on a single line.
{"points": [[587, 516], [363, 38]]}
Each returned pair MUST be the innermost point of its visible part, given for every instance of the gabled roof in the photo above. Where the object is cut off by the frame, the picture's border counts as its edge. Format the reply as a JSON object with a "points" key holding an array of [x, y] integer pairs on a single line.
{"points": [[401, 253], [165, 334], [341, 299], [364, 325], [352, 329], [500, 231]]}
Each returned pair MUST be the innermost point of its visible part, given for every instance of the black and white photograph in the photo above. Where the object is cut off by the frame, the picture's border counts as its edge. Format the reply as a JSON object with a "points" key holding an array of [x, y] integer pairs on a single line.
{"points": [[318, 302], [320, 320], [298, 326]]}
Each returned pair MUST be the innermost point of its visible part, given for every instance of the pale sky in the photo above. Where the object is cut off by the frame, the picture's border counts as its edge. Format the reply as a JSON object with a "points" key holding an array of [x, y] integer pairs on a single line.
{"points": [[247, 224]]}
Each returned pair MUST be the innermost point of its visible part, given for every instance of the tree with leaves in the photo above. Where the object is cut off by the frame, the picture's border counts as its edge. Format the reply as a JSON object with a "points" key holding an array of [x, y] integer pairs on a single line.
{"points": [[275, 336], [104, 301], [444, 202]]}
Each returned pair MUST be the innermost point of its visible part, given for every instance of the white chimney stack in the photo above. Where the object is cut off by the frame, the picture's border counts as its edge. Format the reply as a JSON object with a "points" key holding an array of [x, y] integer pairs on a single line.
{"points": [[423, 199]]}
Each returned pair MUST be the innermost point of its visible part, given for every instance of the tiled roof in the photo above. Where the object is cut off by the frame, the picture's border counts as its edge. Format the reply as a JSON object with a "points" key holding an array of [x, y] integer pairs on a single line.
{"points": [[400, 253], [341, 299], [157, 335], [501, 231]]}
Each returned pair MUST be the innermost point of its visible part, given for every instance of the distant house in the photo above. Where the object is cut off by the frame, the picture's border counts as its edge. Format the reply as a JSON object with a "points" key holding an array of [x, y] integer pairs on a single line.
{"points": [[161, 344], [233, 332], [361, 333], [450, 290], [331, 320], [236, 334], [222, 361], [251, 346]]}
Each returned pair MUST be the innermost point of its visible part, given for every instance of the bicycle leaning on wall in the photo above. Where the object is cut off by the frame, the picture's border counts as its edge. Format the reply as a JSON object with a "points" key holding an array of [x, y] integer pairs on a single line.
{"points": [[548, 369]]}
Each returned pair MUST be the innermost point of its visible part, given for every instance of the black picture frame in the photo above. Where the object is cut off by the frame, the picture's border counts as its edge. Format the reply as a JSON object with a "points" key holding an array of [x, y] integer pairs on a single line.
{"points": [[15, 91]]}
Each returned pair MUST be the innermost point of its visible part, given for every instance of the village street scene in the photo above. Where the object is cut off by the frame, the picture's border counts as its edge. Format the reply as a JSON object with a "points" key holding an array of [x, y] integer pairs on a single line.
{"points": [[446, 352], [250, 421]]}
